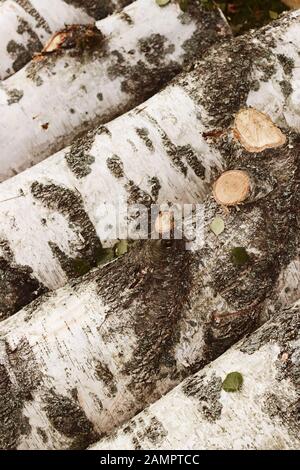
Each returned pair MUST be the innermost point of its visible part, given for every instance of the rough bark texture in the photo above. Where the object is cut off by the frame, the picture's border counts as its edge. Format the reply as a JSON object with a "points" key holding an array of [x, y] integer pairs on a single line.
{"points": [[25, 25], [97, 351], [91, 78], [169, 149], [198, 414]]}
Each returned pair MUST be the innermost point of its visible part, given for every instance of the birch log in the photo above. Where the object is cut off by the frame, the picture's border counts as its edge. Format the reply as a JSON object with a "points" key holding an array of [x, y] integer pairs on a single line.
{"points": [[168, 149], [95, 75], [77, 363], [25, 25], [198, 414]]}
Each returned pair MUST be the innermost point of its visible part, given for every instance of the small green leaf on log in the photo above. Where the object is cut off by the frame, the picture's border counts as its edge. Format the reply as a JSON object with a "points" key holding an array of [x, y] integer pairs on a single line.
{"points": [[273, 15], [107, 254], [217, 226], [233, 382], [239, 256], [121, 248], [184, 4], [162, 3]]}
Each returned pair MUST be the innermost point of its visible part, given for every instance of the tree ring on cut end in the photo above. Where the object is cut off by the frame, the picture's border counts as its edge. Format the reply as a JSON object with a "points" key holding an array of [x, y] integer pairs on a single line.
{"points": [[232, 187], [256, 131]]}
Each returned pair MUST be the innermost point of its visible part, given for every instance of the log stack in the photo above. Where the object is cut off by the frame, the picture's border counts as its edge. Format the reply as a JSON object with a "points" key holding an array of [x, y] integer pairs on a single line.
{"points": [[162, 342]]}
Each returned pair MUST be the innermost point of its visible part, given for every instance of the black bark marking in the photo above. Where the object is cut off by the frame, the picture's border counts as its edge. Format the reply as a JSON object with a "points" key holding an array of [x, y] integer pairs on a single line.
{"points": [[283, 329], [210, 30], [23, 53], [155, 48], [155, 187], [156, 276], [287, 410], [14, 393], [207, 393], [154, 432], [115, 166], [105, 375], [187, 152], [97, 9], [142, 79], [79, 158], [136, 195], [69, 419], [70, 205], [143, 134], [18, 287], [40, 21]]}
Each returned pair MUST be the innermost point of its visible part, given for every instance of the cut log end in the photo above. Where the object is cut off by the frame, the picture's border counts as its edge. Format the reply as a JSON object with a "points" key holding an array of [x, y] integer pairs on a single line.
{"points": [[232, 188], [256, 132]]}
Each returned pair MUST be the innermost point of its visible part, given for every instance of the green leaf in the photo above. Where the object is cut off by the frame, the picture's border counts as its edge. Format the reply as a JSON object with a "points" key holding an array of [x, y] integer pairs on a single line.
{"points": [[107, 254], [121, 248], [239, 256], [162, 3], [273, 15], [233, 382], [217, 226], [184, 4]]}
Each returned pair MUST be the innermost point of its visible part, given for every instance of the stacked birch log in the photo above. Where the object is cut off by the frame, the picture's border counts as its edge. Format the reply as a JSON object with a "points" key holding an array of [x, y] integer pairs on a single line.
{"points": [[134, 351]]}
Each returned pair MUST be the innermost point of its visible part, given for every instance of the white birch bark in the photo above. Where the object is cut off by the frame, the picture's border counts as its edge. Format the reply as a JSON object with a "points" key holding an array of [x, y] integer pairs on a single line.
{"points": [[156, 153], [77, 363], [198, 414], [25, 25], [63, 93]]}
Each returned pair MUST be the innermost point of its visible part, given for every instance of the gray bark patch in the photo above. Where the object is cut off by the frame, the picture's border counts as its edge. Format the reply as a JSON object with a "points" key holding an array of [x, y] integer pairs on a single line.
{"points": [[155, 187], [136, 195], [282, 330], [97, 9], [143, 78], [156, 276], [13, 424], [15, 392], [142, 432], [14, 96], [69, 419], [227, 80], [79, 158], [286, 411], [176, 153], [207, 393], [23, 53], [155, 48]]}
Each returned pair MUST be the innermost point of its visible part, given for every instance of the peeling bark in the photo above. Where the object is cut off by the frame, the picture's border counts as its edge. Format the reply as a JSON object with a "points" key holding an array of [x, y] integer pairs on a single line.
{"points": [[100, 74], [25, 25], [171, 148], [198, 414]]}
